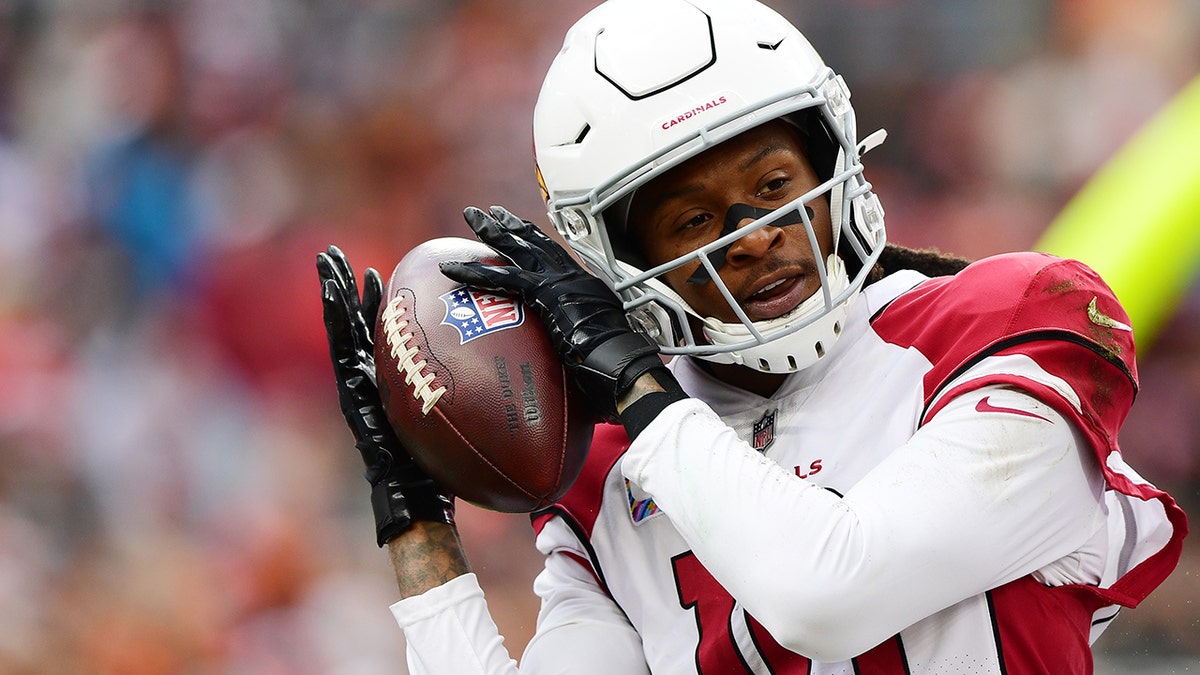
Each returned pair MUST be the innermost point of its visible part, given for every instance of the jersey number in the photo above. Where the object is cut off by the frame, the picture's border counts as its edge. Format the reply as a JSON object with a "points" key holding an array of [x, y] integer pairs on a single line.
{"points": [[717, 650]]}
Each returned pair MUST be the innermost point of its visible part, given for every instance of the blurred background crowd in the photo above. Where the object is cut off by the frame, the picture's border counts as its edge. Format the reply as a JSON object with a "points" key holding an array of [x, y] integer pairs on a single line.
{"points": [[178, 493]]}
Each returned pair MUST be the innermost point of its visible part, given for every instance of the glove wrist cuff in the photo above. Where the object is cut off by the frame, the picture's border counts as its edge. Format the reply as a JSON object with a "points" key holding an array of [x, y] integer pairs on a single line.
{"points": [[639, 414], [610, 370], [396, 507], [390, 509]]}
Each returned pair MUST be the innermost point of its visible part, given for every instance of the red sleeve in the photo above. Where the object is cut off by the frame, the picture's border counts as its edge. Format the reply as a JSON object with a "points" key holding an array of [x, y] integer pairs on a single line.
{"points": [[1003, 304], [1060, 314]]}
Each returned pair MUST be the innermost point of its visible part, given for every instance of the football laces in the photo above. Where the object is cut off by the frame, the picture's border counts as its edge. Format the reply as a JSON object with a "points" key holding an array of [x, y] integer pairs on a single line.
{"points": [[414, 376]]}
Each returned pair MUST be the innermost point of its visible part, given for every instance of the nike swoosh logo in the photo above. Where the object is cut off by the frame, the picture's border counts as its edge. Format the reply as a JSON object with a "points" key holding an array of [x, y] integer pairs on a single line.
{"points": [[1101, 319], [984, 407]]}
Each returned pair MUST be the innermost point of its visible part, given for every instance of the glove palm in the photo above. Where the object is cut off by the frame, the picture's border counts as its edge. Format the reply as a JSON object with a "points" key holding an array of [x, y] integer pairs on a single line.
{"points": [[401, 491]]}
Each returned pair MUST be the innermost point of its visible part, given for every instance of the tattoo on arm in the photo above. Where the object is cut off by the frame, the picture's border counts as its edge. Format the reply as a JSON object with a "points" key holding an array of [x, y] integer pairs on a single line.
{"points": [[426, 555], [645, 384]]}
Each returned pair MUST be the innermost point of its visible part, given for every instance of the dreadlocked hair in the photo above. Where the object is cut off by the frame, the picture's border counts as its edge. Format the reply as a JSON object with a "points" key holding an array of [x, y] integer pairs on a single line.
{"points": [[928, 261]]}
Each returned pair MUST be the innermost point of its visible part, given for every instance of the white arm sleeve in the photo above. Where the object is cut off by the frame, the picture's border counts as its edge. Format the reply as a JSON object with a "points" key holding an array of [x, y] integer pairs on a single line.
{"points": [[972, 501], [449, 630], [580, 630]]}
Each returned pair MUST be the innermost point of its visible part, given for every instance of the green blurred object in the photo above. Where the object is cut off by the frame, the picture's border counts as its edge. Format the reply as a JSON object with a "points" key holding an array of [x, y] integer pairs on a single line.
{"points": [[1137, 221]]}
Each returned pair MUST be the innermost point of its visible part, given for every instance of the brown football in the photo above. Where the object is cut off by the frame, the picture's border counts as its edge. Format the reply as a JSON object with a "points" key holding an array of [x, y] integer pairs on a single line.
{"points": [[473, 387]]}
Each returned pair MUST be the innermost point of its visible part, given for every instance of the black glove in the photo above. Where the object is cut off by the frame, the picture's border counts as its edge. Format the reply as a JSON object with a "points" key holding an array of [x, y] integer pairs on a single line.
{"points": [[587, 323], [400, 491]]}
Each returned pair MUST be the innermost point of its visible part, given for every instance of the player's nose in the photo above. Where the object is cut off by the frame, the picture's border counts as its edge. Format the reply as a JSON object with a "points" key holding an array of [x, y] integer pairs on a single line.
{"points": [[755, 244]]}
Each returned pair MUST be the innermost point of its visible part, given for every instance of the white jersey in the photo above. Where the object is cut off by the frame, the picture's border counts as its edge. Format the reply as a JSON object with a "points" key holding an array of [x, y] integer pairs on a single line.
{"points": [[941, 493]]}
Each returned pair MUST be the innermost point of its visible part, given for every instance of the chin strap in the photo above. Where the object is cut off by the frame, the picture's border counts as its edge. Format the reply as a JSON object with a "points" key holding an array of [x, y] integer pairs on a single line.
{"points": [[803, 336]]}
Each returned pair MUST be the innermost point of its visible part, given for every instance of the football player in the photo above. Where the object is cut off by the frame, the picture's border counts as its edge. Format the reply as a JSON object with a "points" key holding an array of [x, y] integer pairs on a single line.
{"points": [[857, 458]]}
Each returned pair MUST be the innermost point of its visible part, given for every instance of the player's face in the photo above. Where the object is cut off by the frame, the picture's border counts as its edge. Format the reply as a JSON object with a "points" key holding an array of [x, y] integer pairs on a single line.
{"points": [[770, 271]]}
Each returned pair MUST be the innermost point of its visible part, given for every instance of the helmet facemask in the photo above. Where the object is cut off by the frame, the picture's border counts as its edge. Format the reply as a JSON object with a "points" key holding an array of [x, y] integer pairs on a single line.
{"points": [[592, 221]]}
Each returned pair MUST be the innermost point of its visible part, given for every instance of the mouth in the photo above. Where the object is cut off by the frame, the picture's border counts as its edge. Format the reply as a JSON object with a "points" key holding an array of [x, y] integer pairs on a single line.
{"points": [[776, 297]]}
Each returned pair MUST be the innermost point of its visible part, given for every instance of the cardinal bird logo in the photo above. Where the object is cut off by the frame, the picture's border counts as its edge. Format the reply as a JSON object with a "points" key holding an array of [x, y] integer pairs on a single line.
{"points": [[476, 313]]}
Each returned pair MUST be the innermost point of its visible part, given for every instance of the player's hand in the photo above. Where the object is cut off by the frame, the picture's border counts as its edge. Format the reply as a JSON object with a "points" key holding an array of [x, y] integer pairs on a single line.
{"points": [[400, 491], [587, 323]]}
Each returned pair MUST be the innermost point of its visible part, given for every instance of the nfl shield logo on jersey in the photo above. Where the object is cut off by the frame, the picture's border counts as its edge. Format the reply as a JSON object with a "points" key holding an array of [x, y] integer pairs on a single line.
{"points": [[764, 431], [476, 313]]}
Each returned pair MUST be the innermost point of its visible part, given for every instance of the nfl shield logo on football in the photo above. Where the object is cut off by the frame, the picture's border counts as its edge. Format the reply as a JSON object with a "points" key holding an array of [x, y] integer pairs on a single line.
{"points": [[764, 431], [476, 313]]}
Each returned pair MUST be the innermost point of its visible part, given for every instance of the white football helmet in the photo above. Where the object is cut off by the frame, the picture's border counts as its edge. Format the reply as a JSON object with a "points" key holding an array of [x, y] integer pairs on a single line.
{"points": [[639, 87]]}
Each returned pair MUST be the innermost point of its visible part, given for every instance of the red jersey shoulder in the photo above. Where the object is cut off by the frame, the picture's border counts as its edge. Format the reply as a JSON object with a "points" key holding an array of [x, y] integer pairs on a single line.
{"points": [[581, 504], [1006, 300]]}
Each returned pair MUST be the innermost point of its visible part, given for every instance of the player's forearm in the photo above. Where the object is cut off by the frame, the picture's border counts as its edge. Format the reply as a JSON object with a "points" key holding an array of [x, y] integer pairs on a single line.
{"points": [[864, 566], [646, 384], [426, 555], [646, 398]]}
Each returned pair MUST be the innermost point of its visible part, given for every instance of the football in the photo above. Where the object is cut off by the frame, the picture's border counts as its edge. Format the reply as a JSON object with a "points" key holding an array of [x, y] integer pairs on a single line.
{"points": [[473, 387]]}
